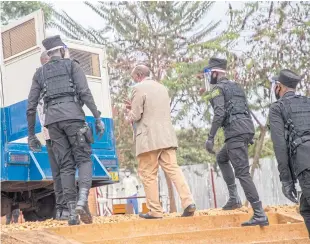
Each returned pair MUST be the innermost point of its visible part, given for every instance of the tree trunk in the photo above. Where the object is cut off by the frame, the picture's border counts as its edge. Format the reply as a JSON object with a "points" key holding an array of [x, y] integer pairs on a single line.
{"points": [[173, 207], [258, 149]]}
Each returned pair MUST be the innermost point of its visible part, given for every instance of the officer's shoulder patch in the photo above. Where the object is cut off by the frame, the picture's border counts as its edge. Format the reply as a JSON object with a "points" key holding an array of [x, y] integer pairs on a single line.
{"points": [[215, 92]]}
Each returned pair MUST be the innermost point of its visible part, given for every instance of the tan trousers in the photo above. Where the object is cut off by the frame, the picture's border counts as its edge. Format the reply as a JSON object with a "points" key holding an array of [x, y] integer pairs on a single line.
{"points": [[148, 169]]}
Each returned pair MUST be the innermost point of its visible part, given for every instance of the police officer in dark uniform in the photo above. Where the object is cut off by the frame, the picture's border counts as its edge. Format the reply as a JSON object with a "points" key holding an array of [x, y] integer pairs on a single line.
{"points": [[289, 119], [232, 113], [64, 88], [62, 212], [15, 214]]}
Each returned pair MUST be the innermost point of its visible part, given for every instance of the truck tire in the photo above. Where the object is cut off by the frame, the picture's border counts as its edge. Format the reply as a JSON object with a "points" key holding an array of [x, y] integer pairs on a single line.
{"points": [[45, 209]]}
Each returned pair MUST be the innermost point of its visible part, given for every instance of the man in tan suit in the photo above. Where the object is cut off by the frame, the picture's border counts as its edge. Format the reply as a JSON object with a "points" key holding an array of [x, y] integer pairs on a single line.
{"points": [[156, 141]]}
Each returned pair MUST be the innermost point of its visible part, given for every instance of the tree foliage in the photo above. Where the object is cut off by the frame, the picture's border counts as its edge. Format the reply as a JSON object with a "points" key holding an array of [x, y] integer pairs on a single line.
{"points": [[11, 10], [159, 34], [279, 39], [176, 40]]}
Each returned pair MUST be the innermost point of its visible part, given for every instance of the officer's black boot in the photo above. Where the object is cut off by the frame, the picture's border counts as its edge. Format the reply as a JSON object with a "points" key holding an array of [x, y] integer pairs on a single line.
{"points": [[8, 219], [65, 214], [73, 218], [259, 217], [82, 206], [58, 214], [234, 201]]}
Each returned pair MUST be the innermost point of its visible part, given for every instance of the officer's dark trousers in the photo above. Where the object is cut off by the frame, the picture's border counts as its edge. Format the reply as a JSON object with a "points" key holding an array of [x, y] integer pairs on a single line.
{"points": [[15, 214], [235, 151], [60, 200], [71, 152], [304, 182]]}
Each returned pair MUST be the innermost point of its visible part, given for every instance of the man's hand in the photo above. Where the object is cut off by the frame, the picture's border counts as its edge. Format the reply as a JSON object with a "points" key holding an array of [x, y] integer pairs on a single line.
{"points": [[289, 191], [127, 104], [99, 128], [34, 143], [209, 145], [201, 91]]}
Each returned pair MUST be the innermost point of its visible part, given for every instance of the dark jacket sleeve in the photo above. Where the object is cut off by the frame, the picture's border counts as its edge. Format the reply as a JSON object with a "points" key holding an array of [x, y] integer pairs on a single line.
{"points": [[218, 104], [33, 100], [279, 142], [83, 90]]}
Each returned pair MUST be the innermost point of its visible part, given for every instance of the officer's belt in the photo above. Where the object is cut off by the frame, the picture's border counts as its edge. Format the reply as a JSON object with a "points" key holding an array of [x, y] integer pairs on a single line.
{"points": [[300, 140], [239, 115], [236, 116], [61, 100]]}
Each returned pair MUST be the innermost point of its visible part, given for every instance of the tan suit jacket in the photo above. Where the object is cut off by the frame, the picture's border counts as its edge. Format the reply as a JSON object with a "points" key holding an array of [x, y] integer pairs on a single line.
{"points": [[150, 111]]}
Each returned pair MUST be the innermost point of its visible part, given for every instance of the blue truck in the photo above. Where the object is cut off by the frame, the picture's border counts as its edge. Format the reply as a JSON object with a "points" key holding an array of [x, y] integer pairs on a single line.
{"points": [[26, 177]]}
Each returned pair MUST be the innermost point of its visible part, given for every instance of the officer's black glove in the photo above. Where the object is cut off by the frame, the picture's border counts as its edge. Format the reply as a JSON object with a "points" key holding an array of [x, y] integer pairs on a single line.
{"points": [[289, 191], [99, 128], [34, 143], [210, 145]]}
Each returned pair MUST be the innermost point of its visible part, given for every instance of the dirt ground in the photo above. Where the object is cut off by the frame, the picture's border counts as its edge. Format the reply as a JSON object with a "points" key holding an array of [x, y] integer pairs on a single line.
{"points": [[40, 226]]}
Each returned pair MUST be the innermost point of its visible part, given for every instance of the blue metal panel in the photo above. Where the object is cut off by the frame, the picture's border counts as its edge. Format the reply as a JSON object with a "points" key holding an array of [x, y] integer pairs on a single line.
{"points": [[17, 173], [14, 123], [107, 141], [2, 143]]}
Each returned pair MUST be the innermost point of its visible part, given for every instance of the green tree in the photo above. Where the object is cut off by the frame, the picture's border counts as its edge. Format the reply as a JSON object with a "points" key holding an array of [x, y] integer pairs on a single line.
{"points": [[159, 34], [273, 36], [11, 10], [278, 39], [156, 33]]}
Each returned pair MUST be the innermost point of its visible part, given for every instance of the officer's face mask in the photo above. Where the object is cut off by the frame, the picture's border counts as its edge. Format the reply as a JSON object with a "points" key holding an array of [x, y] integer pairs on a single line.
{"points": [[127, 174], [65, 52], [214, 77], [211, 78], [275, 91]]}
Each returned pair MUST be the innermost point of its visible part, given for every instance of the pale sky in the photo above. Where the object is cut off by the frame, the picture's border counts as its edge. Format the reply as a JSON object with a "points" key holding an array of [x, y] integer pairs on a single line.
{"points": [[85, 16]]}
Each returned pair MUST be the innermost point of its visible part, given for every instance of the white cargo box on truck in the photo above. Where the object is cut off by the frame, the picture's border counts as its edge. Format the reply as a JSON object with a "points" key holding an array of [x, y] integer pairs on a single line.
{"points": [[26, 176]]}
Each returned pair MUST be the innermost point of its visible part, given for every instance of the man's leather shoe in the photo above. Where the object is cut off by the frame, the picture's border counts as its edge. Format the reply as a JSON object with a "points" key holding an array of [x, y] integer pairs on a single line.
{"points": [[147, 216], [189, 211]]}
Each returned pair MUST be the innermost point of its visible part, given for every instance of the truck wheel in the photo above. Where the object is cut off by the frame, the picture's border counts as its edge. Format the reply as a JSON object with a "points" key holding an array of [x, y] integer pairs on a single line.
{"points": [[45, 210]]}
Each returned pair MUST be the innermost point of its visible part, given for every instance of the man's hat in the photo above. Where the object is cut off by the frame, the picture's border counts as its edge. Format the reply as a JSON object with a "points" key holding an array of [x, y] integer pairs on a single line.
{"points": [[287, 78], [52, 43], [217, 63]]}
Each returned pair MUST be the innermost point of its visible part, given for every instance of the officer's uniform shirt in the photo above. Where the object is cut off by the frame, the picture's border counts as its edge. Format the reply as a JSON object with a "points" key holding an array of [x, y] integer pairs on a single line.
{"points": [[277, 129], [279, 143], [236, 127], [63, 111]]}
